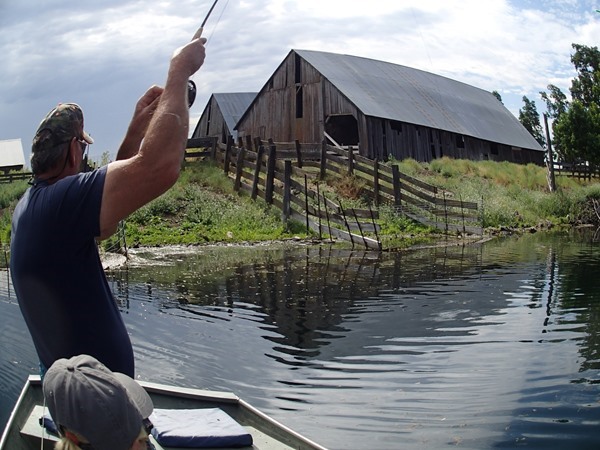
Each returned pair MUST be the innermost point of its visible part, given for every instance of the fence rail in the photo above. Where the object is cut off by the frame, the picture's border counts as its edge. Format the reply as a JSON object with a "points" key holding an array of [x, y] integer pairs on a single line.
{"points": [[581, 171], [14, 176], [280, 174]]}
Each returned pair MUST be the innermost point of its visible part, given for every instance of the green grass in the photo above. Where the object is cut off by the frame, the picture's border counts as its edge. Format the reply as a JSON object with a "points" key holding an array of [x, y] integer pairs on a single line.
{"points": [[9, 195], [202, 207], [512, 195]]}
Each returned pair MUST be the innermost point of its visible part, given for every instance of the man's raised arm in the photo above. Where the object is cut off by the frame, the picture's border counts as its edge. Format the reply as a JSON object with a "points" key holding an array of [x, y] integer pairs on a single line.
{"points": [[161, 120]]}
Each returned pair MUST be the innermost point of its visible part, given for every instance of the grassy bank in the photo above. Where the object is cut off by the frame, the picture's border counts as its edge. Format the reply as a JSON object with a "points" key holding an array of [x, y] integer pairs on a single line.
{"points": [[203, 208], [512, 195]]}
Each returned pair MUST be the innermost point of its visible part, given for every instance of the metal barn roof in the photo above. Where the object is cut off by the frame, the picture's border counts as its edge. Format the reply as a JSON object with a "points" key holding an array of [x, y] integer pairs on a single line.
{"points": [[233, 106], [11, 153], [390, 91]]}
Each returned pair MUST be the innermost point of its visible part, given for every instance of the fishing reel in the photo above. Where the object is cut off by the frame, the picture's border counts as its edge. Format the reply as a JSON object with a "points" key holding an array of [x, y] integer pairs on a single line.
{"points": [[191, 93]]}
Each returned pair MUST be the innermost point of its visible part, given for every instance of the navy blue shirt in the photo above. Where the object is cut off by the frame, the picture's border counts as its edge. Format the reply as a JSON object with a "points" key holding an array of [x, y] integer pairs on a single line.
{"points": [[58, 277]]}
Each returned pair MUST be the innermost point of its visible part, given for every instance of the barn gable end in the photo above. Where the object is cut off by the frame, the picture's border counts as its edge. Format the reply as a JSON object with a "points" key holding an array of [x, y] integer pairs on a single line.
{"points": [[386, 109], [221, 113]]}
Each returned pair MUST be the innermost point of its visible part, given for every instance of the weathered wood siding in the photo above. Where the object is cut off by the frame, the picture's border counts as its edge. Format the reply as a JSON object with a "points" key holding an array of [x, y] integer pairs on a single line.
{"points": [[402, 140], [212, 123], [270, 115], [276, 114]]}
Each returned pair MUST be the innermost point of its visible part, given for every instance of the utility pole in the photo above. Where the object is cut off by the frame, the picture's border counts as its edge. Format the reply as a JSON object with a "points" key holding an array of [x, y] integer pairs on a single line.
{"points": [[549, 158]]}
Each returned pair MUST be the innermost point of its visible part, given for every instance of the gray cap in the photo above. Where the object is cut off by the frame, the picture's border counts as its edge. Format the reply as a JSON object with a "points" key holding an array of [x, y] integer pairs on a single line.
{"points": [[104, 407]]}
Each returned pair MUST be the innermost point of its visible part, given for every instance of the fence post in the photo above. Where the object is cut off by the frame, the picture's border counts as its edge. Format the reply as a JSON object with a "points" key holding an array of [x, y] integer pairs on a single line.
{"points": [[462, 212], [287, 187], [257, 142], [239, 166], [397, 191], [259, 158], [323, 168], [350, 161], [298, 153], [306, 202], [227, 155], [319, 210], [445, 212], [346, 222], [213, 149], [327, 217], [376, 181], [271, 162]]}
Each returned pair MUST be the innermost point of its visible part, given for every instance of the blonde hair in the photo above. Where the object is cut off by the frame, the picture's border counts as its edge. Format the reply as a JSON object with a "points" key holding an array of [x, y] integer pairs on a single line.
{"points": [[67, 444]]}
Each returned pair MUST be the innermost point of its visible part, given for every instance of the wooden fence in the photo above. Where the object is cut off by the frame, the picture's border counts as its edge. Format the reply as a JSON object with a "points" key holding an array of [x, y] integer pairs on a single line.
{"points": [[288, 175], [580, 171], [267, 174], [414, 198], [14, 176]]}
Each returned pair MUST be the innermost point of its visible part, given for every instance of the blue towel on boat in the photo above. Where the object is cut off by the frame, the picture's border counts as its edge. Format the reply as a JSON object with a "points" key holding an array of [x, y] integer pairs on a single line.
{"points": [[47, 422], [197, 428]]}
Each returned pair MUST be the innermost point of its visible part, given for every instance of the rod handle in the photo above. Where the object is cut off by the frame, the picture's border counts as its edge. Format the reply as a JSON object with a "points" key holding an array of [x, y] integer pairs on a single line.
{"points": [[198, 33]]}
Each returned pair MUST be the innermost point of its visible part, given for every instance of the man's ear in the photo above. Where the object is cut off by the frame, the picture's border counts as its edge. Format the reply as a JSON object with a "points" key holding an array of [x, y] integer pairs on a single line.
{"points": [[73, 152]]}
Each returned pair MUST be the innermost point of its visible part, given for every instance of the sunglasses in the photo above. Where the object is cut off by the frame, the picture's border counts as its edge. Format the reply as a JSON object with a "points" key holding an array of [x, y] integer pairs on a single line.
{"points": [[82, 144]]}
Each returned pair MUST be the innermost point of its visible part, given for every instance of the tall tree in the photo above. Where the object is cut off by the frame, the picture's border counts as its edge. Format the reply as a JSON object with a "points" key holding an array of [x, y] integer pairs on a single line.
{"points": [[498, 96], [576, 126], [586, 86], [556, 101], [530, 119], [577, 134]]}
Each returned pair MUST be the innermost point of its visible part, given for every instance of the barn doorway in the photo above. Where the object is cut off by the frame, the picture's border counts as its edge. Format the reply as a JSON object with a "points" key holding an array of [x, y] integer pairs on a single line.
{"points": [[343, 129]]}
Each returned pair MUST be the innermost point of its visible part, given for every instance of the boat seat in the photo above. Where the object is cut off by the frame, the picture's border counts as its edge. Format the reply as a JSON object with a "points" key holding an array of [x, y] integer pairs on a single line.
{"points": [[33, 430]]}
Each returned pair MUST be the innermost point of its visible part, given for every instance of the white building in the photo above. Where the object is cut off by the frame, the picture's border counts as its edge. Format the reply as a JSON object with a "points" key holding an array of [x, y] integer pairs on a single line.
{"points": [[11, 155]]}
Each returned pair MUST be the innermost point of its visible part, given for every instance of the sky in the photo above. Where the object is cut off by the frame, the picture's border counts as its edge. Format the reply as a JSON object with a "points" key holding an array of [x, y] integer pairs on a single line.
{"points": [[104, 54]]}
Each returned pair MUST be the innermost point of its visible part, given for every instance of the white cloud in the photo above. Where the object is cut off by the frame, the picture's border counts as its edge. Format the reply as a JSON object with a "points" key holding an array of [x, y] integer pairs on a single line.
{"points": [[104, 54]]}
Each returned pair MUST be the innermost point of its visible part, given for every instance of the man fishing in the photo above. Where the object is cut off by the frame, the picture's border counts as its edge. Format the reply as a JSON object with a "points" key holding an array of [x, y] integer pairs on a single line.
{"points": [[61, 287]]}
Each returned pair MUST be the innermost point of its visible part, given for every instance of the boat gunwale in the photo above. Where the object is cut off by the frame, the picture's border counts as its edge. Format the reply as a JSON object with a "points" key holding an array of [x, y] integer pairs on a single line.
{"points": [[226, 398], [31, 379]]}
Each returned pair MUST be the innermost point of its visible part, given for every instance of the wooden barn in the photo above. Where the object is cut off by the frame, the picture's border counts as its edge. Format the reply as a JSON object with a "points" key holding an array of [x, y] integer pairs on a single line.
{"points": [[221, 114], [11, 155], [386, 110]]}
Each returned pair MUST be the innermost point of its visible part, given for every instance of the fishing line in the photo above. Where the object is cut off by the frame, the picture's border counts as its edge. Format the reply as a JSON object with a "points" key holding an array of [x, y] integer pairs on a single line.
{"points": [[192, 90], [218, 20]]}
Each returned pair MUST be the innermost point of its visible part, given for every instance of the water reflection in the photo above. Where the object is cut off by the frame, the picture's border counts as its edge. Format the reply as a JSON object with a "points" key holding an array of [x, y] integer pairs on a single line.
{"points": [[306, 294], [438, 346], [478, 347]]}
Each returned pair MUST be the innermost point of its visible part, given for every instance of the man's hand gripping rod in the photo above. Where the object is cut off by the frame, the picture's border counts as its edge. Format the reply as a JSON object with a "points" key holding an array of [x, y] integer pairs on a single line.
{"points": [[197, 35]]}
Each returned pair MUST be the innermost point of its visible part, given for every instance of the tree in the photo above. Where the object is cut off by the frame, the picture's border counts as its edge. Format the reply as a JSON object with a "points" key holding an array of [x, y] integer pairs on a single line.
{"points": [[498, 96], [576, 126], [530, 119], [577, 134], [105, 158], [556, 101], [586, 86]]}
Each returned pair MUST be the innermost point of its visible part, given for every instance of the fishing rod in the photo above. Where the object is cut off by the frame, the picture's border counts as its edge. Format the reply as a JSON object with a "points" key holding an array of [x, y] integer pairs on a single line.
{"points": [[191, 85]]}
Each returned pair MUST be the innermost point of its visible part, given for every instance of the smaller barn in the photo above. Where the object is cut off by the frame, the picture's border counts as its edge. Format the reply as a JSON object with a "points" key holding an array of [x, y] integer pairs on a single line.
{"points": [[385, 109], [11, 155], [221, 114]]}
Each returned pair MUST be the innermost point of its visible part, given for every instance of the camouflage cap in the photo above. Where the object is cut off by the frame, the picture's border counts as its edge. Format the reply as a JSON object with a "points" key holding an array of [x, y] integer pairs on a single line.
{"points": [[59, 126]]}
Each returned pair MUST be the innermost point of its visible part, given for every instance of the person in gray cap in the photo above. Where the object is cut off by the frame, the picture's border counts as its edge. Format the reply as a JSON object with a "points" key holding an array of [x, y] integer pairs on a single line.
{"points": [[95, 408], [57, 274]]}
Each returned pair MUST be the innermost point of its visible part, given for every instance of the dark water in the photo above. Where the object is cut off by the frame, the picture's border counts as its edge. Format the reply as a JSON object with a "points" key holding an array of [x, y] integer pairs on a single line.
{"points": [[491, 346]]}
